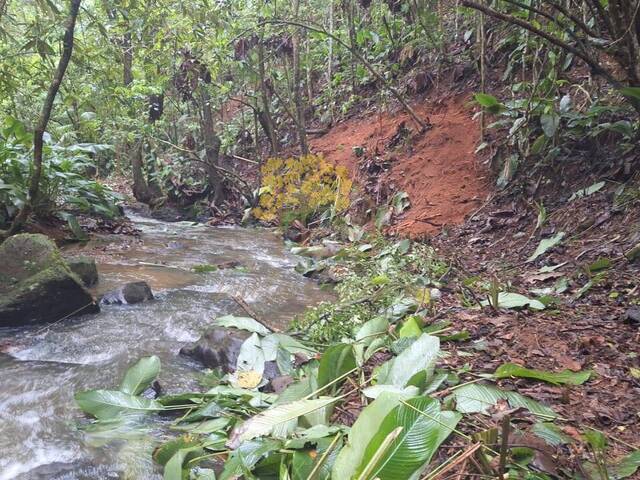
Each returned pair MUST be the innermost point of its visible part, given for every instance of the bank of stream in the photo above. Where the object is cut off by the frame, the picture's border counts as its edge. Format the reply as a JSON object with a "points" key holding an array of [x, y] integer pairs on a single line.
{"points": [[43, 366]]}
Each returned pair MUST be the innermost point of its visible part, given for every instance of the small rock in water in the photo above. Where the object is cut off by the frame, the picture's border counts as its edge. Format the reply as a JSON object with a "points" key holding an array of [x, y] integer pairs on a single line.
{"points": [[130, 293]]}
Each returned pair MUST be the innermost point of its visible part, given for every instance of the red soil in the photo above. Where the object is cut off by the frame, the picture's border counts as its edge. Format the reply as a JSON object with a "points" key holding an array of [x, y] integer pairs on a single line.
{"points": [[438, 168]]}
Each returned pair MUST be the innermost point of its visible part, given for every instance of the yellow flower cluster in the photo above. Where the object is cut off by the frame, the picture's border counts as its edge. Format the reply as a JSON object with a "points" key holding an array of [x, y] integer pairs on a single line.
{"points": [[307, 183]]}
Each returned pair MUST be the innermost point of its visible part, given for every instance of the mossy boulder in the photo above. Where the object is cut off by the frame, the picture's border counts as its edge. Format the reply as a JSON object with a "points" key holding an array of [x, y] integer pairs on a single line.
{"points": [[85, 268], [36, 284]]}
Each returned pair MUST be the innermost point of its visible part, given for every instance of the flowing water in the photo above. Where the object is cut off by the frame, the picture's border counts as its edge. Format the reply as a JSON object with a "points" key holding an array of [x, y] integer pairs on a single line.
{"points": [[41, 433]]}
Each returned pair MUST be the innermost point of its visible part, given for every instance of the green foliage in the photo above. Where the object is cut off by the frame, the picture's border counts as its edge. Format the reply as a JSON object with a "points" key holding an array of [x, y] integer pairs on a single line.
{"points": [[64, 183], [362, 294]]}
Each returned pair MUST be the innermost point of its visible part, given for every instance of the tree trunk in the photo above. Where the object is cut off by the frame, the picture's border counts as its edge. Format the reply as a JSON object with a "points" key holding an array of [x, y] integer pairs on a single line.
{"points": [[267, 119], [43, 120], [140, 188], [348, 5], [127, 58], [211, 145], [297, 85]]}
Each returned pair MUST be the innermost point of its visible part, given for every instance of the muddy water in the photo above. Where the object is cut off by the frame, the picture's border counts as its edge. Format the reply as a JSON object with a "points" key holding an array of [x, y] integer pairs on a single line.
{"points": [[42, 433]]}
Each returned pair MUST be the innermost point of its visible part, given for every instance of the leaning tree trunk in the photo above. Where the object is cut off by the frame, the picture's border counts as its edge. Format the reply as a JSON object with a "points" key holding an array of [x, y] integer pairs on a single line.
{"points": [[267, 119], [211, 145], [43, 120]]}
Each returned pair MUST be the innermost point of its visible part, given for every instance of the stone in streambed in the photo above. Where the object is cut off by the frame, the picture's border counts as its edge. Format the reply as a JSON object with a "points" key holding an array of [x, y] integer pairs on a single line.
{"points": [[36, 284], [128, 294], [219, 347], [85, 268]]}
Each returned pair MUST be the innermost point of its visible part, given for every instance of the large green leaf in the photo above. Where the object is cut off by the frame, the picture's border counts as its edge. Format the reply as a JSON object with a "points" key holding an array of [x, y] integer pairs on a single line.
{"points": [[423, 428], [565, 377], [545, 244], [247, 455], [105, 404], [265, 422], [140, 376], [242, 323], [421, 356], [489, 102], [336, 361], [174, 470], [623, 468], [362, 432], [477, 398], [167, 450], [515, 300]]}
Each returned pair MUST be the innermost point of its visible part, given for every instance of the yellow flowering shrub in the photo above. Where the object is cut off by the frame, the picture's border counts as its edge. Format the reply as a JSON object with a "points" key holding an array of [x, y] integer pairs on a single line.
{"points": [[308, 183]]}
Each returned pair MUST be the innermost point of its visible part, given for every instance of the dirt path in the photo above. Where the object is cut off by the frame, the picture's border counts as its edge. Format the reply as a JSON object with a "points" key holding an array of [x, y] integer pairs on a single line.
{"points": [[438, 169]]}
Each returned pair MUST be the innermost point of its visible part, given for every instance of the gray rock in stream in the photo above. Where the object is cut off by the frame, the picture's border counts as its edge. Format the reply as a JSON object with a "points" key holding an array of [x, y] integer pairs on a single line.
{"points": [[219, 347], [128, 294], [36, 285], [85, 268]]}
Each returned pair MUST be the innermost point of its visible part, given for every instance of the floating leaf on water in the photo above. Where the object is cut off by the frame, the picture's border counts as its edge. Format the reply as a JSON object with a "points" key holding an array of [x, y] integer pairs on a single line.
{"points": [[546, 244], [560, 378]]}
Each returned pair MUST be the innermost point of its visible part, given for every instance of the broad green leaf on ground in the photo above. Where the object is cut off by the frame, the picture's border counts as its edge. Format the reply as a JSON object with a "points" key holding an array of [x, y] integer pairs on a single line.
{"points": [[423, 428], [362, 432], [166, 451], [368, 332], [247, 455], [560, 378], [290, 344], [251, 355], [585, 192], [265, 422], [491, 103], [336, 361], [477, 398], [298, 390], [242, 323], [376, 390], [410, 328], [624, 468], [421, 356], [550, 123], [515, 300], [105, 404], [174, 470], [550, 433], [140, 376], [206, 427], [546, 244]]}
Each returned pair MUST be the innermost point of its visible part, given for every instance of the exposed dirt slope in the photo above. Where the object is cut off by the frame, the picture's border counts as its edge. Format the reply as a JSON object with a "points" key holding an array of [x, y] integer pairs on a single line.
{"points": [[438, 168]]}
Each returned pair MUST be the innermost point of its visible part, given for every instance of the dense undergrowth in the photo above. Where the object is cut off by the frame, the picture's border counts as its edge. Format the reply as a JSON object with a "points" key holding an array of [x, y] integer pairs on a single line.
{"points": [[381, 351]]}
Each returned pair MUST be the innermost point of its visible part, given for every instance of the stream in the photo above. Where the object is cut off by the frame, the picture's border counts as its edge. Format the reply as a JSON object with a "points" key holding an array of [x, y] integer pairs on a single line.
{"points": [[41, 434]]}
